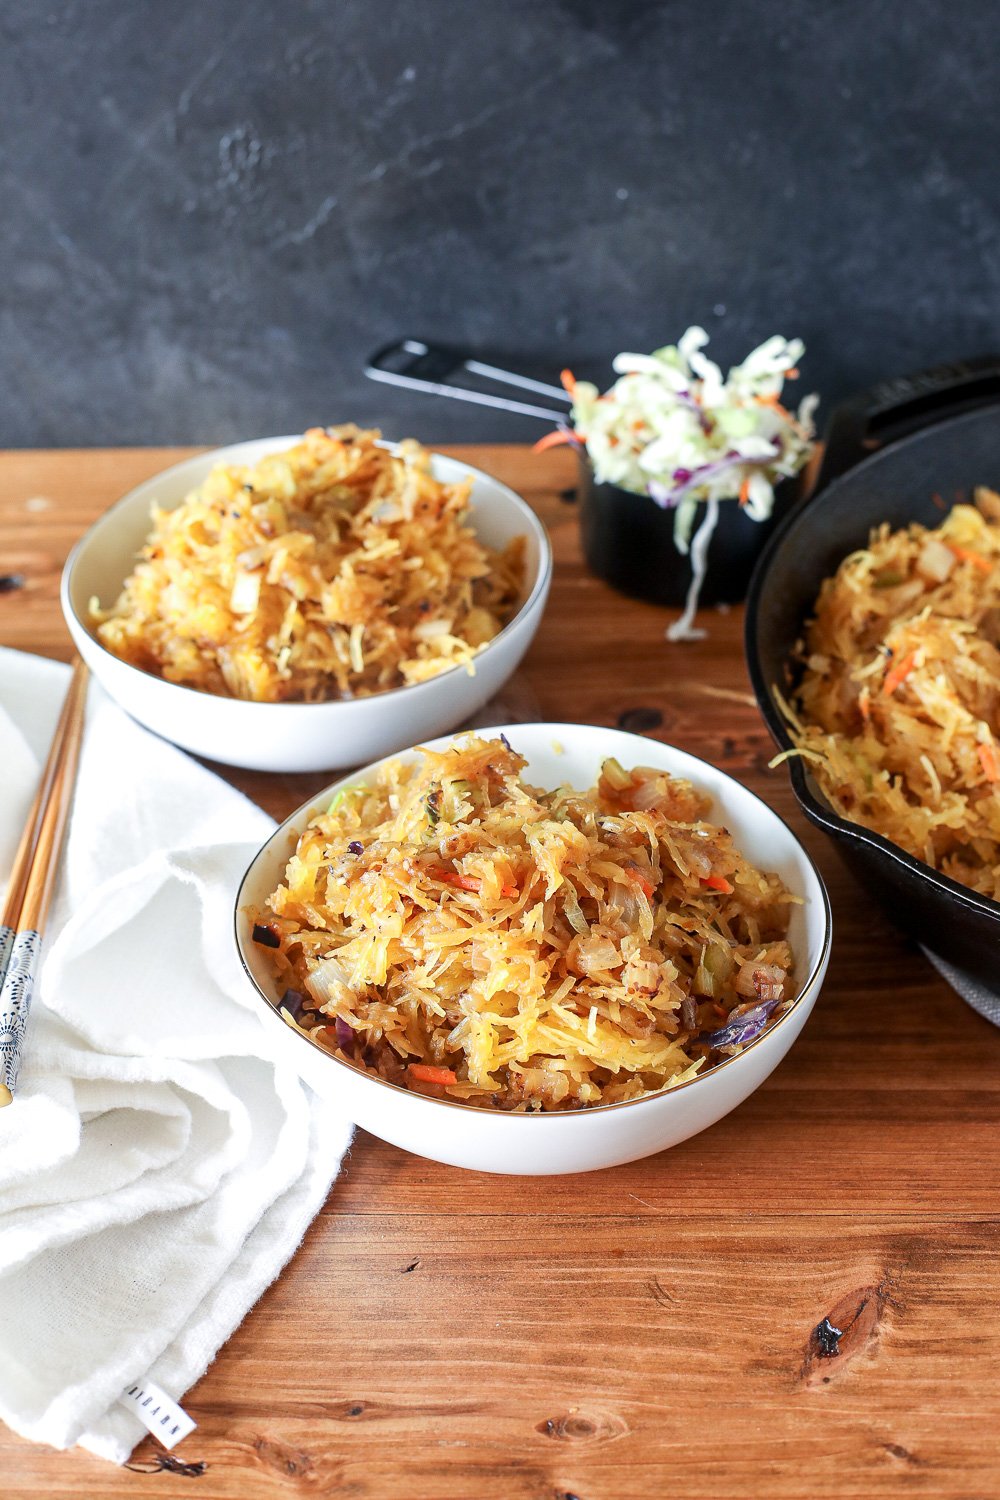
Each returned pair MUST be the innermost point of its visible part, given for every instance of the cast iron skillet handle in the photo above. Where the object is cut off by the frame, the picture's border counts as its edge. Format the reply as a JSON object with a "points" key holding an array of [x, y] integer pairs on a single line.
{"points": [[876, 417]]}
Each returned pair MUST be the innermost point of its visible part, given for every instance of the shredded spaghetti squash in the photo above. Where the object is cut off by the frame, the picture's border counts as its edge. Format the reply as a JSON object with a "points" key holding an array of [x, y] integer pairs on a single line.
{"points": [[898, 708], [457, 931], [337, 568]]}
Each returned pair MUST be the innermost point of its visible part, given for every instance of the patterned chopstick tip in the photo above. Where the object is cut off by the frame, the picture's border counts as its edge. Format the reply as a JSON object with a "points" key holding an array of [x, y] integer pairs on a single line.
{"points": [[15, 1004]]}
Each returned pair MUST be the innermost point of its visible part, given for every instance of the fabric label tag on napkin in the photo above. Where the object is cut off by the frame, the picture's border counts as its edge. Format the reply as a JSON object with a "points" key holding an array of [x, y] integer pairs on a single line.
{"points": [[167, 1421]]}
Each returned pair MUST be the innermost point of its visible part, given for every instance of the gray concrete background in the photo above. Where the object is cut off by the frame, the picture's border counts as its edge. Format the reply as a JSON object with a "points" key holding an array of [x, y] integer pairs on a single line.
{"points": [[214, 209]]}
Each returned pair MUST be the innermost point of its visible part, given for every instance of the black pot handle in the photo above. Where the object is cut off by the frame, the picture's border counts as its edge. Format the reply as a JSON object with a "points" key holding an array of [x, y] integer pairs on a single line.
{"points": [[887, 411], [433, 368]]}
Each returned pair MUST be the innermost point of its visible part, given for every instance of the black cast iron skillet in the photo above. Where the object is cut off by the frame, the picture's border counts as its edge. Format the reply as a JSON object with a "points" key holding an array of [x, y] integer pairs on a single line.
{"points": [[889, 452]]}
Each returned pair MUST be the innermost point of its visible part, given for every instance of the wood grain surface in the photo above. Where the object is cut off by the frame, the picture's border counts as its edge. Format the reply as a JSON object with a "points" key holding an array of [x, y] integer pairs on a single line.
{"points": [[648, 1331]]}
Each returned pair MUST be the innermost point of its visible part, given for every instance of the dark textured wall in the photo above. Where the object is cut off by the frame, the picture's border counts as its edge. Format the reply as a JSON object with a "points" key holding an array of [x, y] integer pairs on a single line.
{"points": [[213, 209]]}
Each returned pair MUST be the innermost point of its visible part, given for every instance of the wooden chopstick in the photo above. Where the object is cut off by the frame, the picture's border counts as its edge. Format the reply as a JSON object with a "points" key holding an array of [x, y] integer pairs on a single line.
{"points": [[26, 848], [33, 880]]}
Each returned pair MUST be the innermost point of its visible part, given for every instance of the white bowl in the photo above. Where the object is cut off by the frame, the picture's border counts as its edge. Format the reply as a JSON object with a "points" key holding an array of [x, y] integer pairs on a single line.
{"points": [[296, 736], [580, 1140]]}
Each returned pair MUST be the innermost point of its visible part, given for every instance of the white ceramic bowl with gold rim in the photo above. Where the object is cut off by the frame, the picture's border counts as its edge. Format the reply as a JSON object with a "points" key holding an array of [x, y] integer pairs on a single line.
{"points": [[579, 1140], [297, 736]]}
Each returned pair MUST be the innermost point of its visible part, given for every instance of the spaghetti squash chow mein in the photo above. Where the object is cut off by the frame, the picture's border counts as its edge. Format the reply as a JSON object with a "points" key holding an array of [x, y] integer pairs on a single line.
{"points": [[454, 930], [337, 568], [898, 709]]}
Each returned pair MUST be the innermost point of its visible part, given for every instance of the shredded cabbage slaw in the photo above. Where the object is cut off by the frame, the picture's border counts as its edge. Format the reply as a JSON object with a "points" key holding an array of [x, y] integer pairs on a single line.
{"points": [[671, 427]]}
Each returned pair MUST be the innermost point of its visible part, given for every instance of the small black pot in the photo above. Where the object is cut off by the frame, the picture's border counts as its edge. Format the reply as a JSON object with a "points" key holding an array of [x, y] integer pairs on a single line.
{"points": [[628, 540]]}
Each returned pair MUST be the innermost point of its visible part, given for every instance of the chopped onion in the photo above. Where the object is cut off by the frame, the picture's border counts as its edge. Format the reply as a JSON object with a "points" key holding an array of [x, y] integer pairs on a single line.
{"points": [[556, 1085], [355, 647], [760, 981], [935, 561], [431, 630], [597, 954], [718, 960], [615, 775], [246, 593], [386, 510], [769, 982], [641, 974], [624, 906], [646, 795], [329, 983], [571, 907], [703, 982], [636, 1022]]}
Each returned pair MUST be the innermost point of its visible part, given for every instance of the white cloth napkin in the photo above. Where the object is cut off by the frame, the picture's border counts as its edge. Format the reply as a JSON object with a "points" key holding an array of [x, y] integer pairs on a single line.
{"points": [[162, 1159]]}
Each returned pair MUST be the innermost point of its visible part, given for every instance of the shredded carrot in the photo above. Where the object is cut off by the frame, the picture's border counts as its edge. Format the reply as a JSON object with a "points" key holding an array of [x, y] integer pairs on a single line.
{"points": [[865, 704], [466, 882], [783, 411], [899, 673], [452, 877], [792, 374], [717, 883], [638, 878], [988, 760], [773, 401], [568, 381], [745, 491], [553, 439], [965, 554], [424, 1073]]}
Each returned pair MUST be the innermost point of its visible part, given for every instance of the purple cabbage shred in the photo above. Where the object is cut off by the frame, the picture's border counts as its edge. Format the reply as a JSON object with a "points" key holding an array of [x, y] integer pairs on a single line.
{"points": [[659, 493], [744, 1028], [293, 1001]]}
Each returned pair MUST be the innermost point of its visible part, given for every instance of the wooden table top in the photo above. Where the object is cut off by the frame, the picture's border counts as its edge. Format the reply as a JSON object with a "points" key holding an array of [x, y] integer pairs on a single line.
{"points": [[636, 1332]]}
